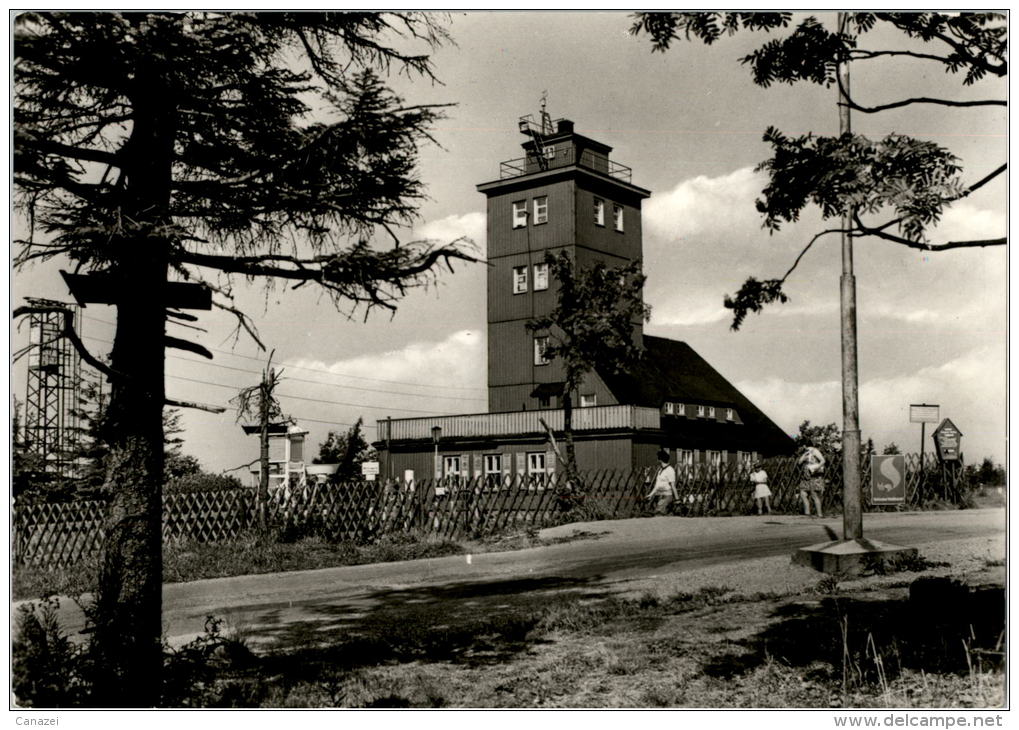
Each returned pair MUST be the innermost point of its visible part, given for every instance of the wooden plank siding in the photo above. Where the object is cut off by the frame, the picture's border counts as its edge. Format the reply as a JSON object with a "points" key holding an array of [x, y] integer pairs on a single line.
{"points": [[481, 425]]}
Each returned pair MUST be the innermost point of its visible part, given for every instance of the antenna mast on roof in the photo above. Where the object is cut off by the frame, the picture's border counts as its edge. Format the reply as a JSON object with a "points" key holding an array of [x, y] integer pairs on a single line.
{"points": [[546, 120]]}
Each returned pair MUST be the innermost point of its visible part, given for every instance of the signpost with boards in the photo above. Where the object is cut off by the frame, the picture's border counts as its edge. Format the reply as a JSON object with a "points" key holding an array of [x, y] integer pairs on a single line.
{"points": [[923, 413]]}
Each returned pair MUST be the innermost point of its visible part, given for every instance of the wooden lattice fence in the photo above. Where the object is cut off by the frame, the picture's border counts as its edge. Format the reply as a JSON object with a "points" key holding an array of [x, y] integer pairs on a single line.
{"points": [[63, 533]]}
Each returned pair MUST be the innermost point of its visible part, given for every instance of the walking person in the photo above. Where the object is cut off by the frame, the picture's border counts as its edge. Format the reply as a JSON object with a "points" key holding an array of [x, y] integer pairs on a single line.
{"points": [[811, 464], [762, 494], [663, 490]]}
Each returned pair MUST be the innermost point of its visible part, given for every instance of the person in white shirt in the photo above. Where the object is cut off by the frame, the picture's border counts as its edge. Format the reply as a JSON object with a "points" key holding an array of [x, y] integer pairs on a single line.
{"points": [[663, 491], [762, 494], [811, 463]]}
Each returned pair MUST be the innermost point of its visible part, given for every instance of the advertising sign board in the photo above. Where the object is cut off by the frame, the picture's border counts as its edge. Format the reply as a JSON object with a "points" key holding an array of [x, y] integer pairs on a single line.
{"points": [[923, 413], [887, 479], [369, 470]]}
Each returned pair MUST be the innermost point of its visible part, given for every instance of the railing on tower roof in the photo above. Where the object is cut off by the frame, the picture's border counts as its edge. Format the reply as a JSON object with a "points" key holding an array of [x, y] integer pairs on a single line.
{"points": [[565, 157]]}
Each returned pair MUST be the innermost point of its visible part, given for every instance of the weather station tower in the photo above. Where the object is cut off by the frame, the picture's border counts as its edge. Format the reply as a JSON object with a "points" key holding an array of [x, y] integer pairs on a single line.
{"points": [[52, 422]]}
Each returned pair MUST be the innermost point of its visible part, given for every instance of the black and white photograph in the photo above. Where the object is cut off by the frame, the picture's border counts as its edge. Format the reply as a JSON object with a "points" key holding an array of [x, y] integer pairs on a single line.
{"points": [[509, 360]]}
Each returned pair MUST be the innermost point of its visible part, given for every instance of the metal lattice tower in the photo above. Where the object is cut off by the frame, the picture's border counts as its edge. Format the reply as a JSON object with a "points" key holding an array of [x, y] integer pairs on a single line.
{"points": [[52, 396]]}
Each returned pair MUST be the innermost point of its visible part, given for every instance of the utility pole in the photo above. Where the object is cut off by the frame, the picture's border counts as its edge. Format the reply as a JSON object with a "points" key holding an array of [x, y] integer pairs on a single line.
{"points": [[852, 509]]}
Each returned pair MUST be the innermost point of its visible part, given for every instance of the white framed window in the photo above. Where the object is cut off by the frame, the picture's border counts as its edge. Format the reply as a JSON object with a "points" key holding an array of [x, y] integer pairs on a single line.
{"points": [[540, 343], [715, 460], [519, 279], [536, 463], [588, 400], [680, 409], [493, 464], [451, 466], [711, 411], [669, 408], [541, 210], [730, 414], [744, 458], [617, 217], [599, 212], [519, 213], [684, 457], [540, 277], [700, 411]]}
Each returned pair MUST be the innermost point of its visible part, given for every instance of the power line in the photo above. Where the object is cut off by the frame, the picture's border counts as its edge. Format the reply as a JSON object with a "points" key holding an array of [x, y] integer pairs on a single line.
{"points": [[328, 372], [305, 380]]}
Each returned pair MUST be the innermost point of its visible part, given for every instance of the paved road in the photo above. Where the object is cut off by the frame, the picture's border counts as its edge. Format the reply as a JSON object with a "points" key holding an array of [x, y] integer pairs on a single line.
{"points": [[289, 608]]}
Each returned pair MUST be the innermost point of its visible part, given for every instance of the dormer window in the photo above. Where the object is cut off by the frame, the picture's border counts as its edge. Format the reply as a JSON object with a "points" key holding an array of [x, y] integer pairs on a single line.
{"points": [[700, 411], [730, 414], [680, 409], [711, 411], [669, 410]]}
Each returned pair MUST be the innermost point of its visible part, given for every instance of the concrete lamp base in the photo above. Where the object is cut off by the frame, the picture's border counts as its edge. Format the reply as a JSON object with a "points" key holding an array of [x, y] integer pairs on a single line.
{"points": [[849, 557]]}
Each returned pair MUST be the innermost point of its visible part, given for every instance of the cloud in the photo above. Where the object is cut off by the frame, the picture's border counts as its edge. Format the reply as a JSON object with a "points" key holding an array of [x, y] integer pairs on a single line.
{"points": [[970, 389], [963, 221], [445, 376], [705, 205], [444, 230]]}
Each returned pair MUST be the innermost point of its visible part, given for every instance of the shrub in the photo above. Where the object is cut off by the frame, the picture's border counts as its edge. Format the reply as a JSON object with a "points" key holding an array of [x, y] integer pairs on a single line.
{"points": [[48, 669]]}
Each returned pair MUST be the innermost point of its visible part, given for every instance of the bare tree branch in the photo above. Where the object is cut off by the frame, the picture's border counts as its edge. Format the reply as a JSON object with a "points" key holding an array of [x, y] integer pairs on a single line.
{"points": [[192, 404]]}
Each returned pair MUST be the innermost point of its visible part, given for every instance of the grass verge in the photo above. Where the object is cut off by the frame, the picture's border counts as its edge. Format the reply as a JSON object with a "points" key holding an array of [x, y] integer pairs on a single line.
{"points": [[252, 553]]}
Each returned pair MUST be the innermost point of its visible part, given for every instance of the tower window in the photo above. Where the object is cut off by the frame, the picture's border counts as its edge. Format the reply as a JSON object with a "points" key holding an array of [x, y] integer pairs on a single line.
{"points": [[540, 344], [519, 279], [617, 217], [540, 277], [599, 212], [519, 213], [541, 210]]}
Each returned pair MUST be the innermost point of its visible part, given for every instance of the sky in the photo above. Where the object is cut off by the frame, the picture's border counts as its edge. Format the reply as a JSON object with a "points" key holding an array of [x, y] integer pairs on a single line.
{"points": [[689, 122]]}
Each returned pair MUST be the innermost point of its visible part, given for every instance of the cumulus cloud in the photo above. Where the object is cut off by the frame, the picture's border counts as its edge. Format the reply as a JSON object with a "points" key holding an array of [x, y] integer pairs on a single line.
{"points": [[970, 389], [706, 204], [469, 225]]}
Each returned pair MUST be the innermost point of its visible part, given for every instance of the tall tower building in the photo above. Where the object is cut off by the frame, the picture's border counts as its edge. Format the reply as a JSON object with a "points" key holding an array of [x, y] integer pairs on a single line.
{"points": [[565, 193]]}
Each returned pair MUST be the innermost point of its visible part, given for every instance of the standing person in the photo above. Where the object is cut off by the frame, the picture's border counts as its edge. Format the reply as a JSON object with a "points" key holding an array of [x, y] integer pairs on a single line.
{"points": [[811, 463], [663, 490], [762, 494]]}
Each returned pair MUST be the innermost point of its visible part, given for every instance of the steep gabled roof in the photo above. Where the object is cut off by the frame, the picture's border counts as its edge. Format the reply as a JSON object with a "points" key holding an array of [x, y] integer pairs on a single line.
{"points": [[673, 371]]}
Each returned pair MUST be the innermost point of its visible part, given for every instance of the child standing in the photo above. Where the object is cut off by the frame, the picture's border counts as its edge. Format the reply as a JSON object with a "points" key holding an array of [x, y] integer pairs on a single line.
{"points": [[759, 478]]}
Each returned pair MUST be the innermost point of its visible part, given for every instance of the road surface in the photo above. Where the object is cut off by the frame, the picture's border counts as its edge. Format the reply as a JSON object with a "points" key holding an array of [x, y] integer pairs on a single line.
{"points": [[282, 609]]}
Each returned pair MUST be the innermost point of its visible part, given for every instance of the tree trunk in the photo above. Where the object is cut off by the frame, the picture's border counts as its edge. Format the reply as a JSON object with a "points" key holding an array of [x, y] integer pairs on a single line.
{"points": [[570, 467], [128, 610]]}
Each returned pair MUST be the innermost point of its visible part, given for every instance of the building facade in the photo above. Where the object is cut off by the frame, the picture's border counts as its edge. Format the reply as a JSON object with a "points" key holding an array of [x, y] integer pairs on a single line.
{"points": [[567, 194]]}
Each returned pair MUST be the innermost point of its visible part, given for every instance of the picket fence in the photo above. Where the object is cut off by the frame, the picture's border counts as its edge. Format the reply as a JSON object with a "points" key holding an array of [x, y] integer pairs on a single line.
{"points": [[60, 534]]}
